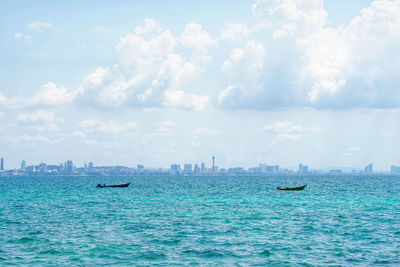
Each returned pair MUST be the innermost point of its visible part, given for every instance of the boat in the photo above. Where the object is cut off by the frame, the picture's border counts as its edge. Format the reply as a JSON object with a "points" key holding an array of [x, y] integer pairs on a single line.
{"points": [[292, 188], [116, 185]]}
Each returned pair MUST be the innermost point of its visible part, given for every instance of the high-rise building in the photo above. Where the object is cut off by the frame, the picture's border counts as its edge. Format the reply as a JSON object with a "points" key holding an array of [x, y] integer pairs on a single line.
{"points": [[214, 168], [175, 168], [213, 164], [69, 166], [394, 170], [303, 168], [187, 168], [23, 165], [90, 168], [42, 167], [368, 168], [2, 164], [203, 168], [196, 169]]}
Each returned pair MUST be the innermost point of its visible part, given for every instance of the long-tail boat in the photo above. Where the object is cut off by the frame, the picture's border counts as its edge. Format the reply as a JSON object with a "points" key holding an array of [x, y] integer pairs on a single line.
{"points": [[292, 188], [116, 185]]}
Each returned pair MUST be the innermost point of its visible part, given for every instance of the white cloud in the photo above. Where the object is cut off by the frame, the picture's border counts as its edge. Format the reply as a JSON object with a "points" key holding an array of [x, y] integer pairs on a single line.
{"points": [[194, 37], [309, 64], [37, 116], [354, 148], [206, 131], [100, 29], [180, 99], [3, 99], [39, 26], [107, 126], [52, 95], [150, 72], [168, 123], [243, 70], [249, 58], [162, 130], [23, 37], [234, 31], [291, 18], [30, 139], [286, 130]]}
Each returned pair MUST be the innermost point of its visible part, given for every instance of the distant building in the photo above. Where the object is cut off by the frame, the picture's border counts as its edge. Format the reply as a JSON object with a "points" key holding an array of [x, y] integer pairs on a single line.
{"points": [[53, 168], [90, 167], [394, 170], [303, 168], [335, 171], [187, 168], [196, 169], [214, 168], [30, 169], [42, 168], [175, 168], [2, 164], [202, 168], [23, 165], [368, 168], [236, 170], [69, 166], [276, 169]]}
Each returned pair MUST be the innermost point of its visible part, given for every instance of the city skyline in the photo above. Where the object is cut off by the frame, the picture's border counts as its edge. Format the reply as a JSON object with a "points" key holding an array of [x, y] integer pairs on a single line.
{"points": [[274, 81], [89, 167]]}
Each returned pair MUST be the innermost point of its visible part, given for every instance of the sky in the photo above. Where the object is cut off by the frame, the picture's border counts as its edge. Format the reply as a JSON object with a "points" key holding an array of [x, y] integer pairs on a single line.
{"points": [[161, 82]]}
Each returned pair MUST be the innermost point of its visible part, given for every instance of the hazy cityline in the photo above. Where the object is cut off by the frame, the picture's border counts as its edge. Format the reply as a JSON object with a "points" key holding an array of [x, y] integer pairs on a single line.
{"points": [[68, 168]]}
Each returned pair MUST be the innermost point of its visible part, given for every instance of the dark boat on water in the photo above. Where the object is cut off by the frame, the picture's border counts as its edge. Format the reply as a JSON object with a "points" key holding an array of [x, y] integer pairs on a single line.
{"points": [[116, 185], [292, 188]]}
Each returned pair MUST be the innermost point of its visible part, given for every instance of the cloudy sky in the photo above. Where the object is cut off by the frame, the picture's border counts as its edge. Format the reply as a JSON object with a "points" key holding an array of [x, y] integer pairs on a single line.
{"points": [[158, 82]]}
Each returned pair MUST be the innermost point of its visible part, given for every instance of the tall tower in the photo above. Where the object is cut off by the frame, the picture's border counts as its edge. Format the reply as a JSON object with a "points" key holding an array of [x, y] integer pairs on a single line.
{"points": [[213, 166], [23, 165], [2, 164]]}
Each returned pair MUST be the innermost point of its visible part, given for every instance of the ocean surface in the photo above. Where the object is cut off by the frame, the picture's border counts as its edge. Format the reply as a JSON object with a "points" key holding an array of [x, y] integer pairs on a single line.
{"points": [[192, 220]]}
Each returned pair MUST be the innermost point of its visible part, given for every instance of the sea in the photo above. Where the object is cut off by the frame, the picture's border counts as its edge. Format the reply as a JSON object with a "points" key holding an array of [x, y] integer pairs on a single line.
{"points": [[200, 220]]}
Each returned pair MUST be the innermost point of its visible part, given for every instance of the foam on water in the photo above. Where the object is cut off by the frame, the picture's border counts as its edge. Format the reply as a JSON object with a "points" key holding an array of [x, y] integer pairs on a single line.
{"points": [[240, 220]]}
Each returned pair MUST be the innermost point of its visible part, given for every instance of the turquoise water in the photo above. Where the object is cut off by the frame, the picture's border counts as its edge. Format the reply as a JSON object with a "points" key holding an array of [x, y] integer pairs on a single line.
{"points": [[219, 220]]}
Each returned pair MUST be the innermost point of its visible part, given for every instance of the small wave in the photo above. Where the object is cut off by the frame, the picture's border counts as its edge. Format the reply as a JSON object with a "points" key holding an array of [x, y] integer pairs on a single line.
{"points": [[205, 253], [22, 240], [266, 253], [49, 251], [382, 262], [152, 255]]}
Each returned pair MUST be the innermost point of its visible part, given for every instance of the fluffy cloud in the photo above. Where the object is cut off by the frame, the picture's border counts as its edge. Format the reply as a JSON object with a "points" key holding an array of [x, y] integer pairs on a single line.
{"points": [[150, 71], [40, 120], [107, 126], [22, 36], [30, 139], [309, 64], [100, 29], [206, 131], [39, 26], [37, 116], [234, 31], [180, 99], [162, 130], [286, 130], [51, 95]]}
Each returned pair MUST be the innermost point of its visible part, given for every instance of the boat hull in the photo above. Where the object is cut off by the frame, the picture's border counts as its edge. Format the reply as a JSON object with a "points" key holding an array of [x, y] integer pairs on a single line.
{"points": [[118, 185], [292, 188]]}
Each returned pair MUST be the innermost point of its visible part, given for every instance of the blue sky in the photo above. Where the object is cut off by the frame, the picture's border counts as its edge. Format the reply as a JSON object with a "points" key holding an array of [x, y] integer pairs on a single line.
{"points": [[155, 82]]}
